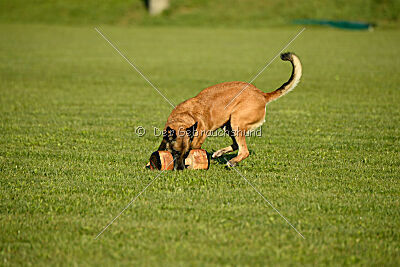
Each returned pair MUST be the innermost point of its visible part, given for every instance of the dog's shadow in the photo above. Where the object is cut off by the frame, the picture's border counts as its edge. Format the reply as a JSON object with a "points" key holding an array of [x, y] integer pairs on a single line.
{"points": [[222, 160]]}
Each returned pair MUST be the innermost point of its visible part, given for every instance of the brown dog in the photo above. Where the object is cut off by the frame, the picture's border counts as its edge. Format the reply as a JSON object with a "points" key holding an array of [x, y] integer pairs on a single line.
{"points": [[235, 106]]}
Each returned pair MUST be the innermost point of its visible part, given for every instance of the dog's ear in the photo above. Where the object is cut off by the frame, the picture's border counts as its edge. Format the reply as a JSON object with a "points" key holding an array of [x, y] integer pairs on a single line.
{"points": [[191, 131], [169, 134]]}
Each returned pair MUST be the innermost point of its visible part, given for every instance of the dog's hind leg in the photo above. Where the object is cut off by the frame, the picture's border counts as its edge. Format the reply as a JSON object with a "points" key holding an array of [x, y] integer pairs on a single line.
{"points": [[230, 148], [240, 127], [248, 117], [243, 151]]}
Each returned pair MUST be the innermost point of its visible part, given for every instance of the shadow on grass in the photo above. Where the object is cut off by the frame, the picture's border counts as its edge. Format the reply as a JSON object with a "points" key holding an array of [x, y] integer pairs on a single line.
{"points": [[224, 158]]}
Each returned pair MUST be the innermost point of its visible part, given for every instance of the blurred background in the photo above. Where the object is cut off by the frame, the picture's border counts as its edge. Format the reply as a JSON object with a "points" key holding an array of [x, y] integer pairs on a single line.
{"points": [[243, 13]]}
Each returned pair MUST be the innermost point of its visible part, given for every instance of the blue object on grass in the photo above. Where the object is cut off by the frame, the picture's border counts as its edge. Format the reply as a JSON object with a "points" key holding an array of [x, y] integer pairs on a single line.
{"points": [[351, 25]]}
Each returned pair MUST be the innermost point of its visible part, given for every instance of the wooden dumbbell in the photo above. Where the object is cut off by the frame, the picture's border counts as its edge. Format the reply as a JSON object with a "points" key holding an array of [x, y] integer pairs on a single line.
{"points": [[197, 159], [161, 160]]}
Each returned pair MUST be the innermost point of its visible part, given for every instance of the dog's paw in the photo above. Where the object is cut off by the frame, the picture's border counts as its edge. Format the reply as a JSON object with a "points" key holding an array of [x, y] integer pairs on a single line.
{"points": [[230, 164], [148, 167], [217, 154]]}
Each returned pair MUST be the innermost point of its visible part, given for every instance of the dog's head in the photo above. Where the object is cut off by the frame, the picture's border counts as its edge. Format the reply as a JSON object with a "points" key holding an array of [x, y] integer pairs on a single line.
{"points": [[178, 141]]}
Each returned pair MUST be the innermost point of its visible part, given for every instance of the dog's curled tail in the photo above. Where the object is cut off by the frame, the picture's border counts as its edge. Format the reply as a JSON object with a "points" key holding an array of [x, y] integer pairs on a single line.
{"points": [[293, 80]]}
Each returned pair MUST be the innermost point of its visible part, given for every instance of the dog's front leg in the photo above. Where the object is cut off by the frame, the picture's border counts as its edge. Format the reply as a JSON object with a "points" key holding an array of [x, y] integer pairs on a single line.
{"points": [[180, 162], [163, 145], [198, 141]]}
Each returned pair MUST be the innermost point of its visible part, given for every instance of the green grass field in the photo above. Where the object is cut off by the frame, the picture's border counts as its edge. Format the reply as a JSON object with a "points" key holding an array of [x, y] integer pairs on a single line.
{"points": [[70, 161]]}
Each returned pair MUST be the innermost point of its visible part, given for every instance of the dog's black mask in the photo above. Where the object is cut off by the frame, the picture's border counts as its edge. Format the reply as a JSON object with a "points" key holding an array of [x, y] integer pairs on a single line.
{"points": [[178, 141]]}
